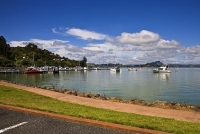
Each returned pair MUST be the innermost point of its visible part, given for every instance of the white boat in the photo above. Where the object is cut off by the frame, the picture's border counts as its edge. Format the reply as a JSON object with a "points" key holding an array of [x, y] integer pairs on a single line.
{"points": [[78, 68], [115, 69], [162, 69], [132, 69], [63, 68], [85, 68]]}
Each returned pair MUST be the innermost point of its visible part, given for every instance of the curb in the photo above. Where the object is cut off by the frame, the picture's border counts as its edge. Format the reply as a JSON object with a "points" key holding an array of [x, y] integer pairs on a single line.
{"points": [[82, 120]]}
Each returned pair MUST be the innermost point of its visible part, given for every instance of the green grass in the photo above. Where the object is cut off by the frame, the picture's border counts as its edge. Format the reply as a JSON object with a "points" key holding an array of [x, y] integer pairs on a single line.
{"points": [[17, 97]]}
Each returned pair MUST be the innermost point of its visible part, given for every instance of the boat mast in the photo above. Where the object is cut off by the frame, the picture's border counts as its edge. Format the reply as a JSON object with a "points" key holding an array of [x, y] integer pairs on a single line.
{"points": [[33, 60], [114, 60]]}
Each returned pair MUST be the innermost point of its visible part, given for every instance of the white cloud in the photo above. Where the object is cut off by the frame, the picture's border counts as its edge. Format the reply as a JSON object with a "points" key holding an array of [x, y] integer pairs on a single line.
{"points": [[165, 44], [189, 54], [186, 58], [143, 37], [51, 45], [193, 50], [72, 48], [105, 47], [85, 34], [129, 48], [54, 30], [159, 45], [161, 54], [109, 39], [60, 30], [45, 43]]}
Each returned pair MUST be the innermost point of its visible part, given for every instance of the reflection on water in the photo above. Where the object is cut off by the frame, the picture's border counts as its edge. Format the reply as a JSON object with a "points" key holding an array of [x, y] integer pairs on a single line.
{"points": [[180, 86], [162, 76]]}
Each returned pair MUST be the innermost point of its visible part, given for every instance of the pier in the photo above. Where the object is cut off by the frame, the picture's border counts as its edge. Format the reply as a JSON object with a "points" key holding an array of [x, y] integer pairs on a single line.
{"points": [[9, 71], [5, 70]]}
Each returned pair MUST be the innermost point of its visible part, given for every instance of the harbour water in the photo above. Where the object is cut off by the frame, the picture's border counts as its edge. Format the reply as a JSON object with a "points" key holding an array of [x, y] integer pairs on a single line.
{"points": [[182, 86]]}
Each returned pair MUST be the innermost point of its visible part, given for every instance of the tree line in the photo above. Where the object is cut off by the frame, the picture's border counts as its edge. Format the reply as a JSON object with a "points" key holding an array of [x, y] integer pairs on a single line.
{"points": [[31, 55]]}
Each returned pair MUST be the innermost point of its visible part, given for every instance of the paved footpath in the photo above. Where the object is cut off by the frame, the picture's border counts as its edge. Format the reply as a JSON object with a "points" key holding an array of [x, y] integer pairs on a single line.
{"points": [[189, 116]]}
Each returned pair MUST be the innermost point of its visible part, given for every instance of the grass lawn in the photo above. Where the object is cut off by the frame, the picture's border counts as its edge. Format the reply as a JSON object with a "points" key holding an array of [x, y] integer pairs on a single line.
{"points": [[21, 98]]}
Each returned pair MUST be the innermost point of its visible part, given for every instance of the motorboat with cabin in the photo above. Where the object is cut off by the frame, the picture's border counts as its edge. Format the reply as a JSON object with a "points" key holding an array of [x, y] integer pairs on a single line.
{"points": [[33, 70], [162, 69], [115, 69]]}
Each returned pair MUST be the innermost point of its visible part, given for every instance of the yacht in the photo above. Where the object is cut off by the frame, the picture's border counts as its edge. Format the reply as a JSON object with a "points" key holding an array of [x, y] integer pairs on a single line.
{"points": [[115, 69], [162, 69]]}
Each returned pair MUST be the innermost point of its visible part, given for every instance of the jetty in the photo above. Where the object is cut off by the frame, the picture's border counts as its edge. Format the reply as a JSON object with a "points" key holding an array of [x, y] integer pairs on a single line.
{"points": [[10, 70]]}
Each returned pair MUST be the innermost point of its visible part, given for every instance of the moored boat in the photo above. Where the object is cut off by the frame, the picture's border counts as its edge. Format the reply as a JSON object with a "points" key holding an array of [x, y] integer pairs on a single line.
{"points": [[162, 69], [132, 69], [33, 70], [115, 69], [78, 68]]}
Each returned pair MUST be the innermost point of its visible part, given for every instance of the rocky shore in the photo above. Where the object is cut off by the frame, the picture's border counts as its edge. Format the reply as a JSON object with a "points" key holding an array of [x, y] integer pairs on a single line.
{"points": [[159, 104]]}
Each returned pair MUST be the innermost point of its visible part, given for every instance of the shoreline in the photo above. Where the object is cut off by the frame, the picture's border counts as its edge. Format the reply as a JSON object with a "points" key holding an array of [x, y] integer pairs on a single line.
{"points": [[183, 115], [157, 103]]}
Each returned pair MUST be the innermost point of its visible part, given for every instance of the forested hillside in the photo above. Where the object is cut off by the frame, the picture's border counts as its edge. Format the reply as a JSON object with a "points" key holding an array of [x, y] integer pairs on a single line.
{"points": [[32, 55]]}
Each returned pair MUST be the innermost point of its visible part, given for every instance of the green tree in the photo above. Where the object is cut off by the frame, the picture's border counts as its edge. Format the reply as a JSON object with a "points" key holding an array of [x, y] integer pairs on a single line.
{"points": [[31, 47], [25, 62], [24, 56], [84, 62], [40, 63], [4, 47], [4, 62]]}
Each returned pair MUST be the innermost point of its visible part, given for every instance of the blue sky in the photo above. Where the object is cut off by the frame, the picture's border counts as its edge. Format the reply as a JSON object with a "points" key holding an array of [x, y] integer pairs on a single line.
{"points": [[104, 31]]}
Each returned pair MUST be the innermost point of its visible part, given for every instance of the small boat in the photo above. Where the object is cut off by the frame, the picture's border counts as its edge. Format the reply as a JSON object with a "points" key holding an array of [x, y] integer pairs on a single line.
{"points": [[162, 69], [132, 69], [78, 68], [63, 68], [85, 68], [33, 70], [115, 69]]}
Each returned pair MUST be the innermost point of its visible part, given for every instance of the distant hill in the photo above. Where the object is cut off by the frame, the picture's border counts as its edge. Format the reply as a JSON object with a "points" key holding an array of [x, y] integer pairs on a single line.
{"points": [[158, 64], [32, 55]]}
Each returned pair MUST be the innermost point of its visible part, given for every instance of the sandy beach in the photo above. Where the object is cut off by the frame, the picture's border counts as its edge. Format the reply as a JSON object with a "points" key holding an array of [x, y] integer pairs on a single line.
{"points": [[189, 116]]}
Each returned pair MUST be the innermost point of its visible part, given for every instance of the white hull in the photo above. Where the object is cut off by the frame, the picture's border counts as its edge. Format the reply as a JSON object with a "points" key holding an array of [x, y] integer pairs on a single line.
{"points": [[161, 71], [132, 69], [115, 69]]}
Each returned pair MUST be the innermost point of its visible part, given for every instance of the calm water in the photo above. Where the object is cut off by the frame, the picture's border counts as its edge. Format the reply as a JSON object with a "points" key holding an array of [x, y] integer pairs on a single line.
{"points": [[181, 86]]}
